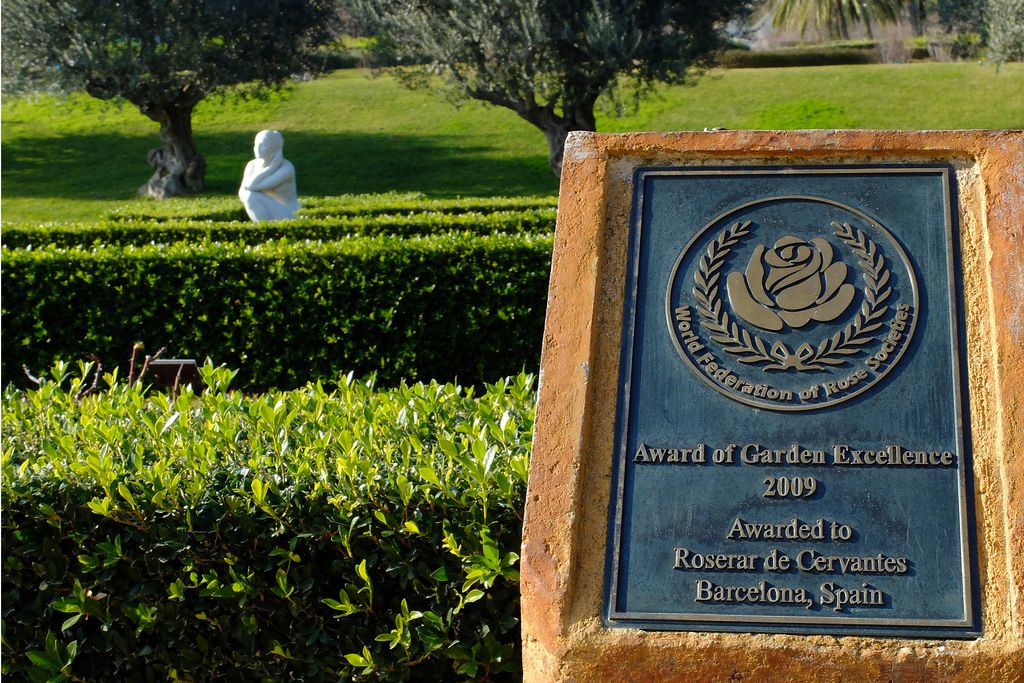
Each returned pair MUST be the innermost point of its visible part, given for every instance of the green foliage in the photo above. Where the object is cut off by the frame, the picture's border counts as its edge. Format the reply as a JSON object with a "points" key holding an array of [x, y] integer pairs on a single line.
{"points": [[447, 306], [1005, 22], [128, 232], [139, 50], [348, 534]]}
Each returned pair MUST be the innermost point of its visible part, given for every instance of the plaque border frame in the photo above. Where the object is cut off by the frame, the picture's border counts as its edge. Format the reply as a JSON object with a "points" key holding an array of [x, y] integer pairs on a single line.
{"points": [[966, 628]]}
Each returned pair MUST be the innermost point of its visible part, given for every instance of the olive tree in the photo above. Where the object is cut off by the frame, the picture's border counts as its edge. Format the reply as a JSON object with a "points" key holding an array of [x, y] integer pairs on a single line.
{"points": [[1005, 22], [163, 56], [549, 61]]}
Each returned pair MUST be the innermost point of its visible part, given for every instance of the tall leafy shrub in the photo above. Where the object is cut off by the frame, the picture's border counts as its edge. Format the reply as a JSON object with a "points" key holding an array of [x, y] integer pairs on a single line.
{"points": [[315, 534]]}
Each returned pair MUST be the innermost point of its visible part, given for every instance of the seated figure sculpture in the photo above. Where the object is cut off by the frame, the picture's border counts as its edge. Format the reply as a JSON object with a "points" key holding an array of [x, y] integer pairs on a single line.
{"points": [[268, 186]]}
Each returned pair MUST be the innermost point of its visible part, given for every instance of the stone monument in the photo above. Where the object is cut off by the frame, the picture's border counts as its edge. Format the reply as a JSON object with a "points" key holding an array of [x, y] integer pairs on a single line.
{"points": [[268, 185], [780, 433]]}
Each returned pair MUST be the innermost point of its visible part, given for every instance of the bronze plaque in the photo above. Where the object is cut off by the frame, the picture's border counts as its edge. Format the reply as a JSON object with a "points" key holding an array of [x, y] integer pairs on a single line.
{"points": [[790, 450]]}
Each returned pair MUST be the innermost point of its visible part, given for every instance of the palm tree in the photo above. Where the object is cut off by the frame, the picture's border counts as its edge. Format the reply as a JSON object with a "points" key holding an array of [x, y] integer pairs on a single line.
{"points": [[837, 15]]}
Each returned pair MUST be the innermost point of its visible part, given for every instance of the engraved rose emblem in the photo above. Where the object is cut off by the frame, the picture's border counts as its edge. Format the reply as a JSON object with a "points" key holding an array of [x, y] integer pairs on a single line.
{"points": [[792, 283]]}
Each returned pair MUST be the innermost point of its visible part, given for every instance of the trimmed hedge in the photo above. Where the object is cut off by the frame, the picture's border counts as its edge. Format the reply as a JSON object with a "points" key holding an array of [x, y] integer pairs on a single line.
{"points": [[860, 51], [447, 306], [303, 535], [395, 203], [127, 233], [369, 205], [796, 56]]}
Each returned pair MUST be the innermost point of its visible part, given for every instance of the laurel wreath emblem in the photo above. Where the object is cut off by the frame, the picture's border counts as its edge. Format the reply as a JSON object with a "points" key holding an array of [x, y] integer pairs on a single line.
{"points": [[831, 351]]}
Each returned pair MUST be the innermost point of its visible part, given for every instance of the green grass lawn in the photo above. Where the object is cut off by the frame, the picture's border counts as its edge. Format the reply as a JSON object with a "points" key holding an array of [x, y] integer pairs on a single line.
{"points": [[925, 96], [76, 158]]}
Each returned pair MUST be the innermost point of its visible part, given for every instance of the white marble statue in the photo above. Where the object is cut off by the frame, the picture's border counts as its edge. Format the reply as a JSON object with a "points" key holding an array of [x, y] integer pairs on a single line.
{"points": [[268, 186]]}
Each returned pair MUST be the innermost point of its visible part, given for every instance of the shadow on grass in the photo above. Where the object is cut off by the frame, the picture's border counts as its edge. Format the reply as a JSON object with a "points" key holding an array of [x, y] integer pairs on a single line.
{"points": [[112, 166]]}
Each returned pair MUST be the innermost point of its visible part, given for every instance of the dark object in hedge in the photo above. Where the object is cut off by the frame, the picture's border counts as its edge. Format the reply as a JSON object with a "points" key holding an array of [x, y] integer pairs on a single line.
{"points": [[174, 373]]}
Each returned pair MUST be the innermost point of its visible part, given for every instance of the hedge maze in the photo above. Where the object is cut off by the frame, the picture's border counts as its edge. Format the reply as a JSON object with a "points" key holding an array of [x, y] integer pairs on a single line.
{"points": [[391, 285], [330, 520]]}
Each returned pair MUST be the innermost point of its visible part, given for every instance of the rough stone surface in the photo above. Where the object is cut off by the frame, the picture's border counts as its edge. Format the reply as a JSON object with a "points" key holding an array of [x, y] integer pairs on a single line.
{"points": [[567, 502]]}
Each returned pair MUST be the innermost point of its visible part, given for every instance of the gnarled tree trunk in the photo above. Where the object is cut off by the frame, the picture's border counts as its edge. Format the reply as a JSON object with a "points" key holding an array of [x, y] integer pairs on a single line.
{"points": [[178, 167], [557, 128]]}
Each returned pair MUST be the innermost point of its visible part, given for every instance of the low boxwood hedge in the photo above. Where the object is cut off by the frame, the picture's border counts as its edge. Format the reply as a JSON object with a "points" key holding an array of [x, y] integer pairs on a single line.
{"points": [[446, 306], [140, 232], [395, 203], [345, 534], [370, 205]]}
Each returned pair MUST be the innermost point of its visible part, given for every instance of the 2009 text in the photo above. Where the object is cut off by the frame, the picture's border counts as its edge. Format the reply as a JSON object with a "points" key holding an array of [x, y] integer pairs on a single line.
{"points": [[790, 487]]}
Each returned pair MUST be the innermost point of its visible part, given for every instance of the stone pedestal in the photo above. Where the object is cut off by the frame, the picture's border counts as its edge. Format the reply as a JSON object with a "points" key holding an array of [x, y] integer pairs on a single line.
{"points": [[943, 276]]}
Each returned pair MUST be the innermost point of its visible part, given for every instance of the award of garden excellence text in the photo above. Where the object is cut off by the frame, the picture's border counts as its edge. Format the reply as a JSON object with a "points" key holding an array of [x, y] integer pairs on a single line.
{"points": [[790, 447]]}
